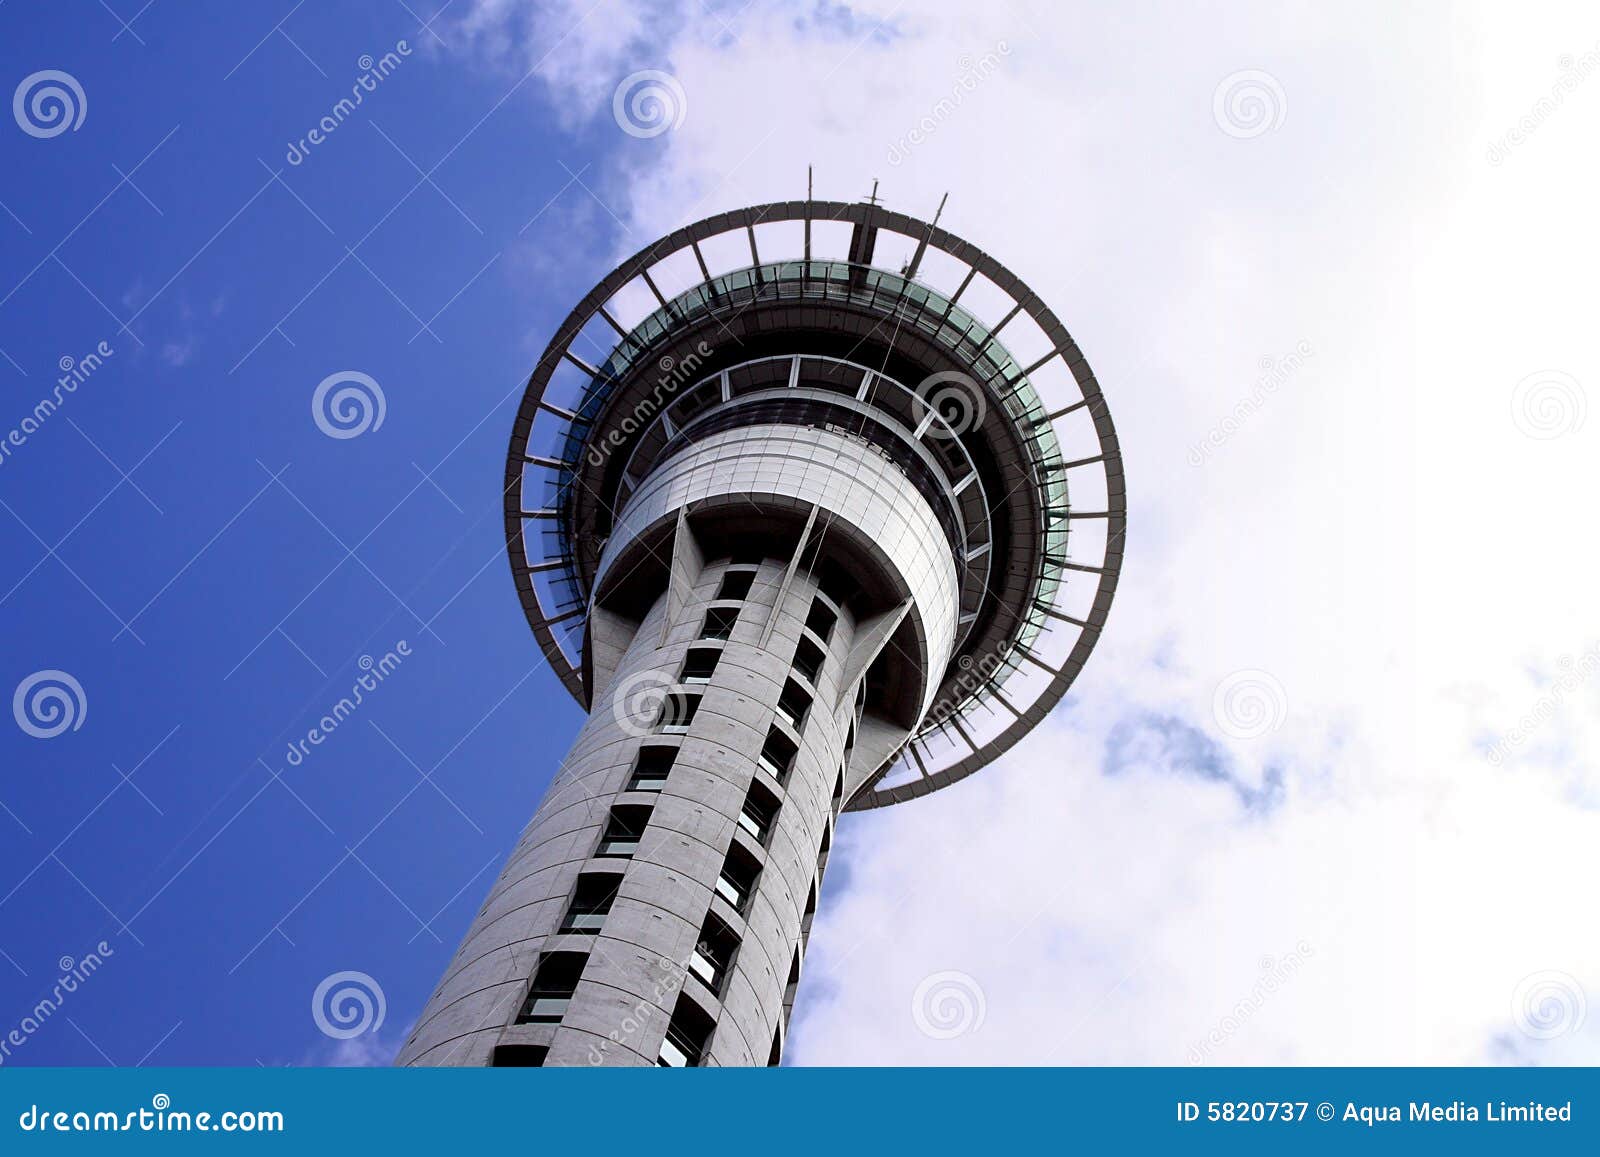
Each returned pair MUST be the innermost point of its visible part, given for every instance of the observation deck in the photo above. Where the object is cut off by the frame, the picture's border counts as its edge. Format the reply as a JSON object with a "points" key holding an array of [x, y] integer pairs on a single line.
{"points": [[868, 324]]}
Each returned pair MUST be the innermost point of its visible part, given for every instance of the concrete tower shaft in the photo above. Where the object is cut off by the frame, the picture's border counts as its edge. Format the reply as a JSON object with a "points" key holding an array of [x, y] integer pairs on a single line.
{"points": [[786, 505], [770, 601]]}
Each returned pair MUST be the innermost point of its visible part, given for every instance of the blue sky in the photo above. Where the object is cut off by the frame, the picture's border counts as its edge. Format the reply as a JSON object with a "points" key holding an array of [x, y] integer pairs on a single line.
{"points": [[1383, 543], [215, 599]]}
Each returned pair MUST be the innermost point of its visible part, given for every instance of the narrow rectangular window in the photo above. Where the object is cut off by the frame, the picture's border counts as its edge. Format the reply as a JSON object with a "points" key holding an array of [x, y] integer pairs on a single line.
{"points": [[699, 665], [736, 584], [712, 958], [719, 622], [737, 881], [777, 754], [624, 826], [677, 712], [808, 660], [591, 900], [688, 1036], [518, 1056], [794, 703], [821, 619], [759, 810], [554, 982], [651, 770]]}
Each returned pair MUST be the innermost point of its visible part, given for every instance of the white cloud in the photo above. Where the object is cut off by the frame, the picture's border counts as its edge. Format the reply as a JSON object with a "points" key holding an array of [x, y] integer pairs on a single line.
{"points": [[1379, 535], [178, 353], [367, 1051], [573, 46]]}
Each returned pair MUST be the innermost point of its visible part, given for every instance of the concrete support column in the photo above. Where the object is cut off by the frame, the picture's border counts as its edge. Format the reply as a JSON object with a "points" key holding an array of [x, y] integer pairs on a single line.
{"points": [[766, 661]]}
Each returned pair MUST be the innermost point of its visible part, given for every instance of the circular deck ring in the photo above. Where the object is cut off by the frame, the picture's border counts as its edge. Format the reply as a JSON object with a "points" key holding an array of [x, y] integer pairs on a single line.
{"points": [[553, 624]]}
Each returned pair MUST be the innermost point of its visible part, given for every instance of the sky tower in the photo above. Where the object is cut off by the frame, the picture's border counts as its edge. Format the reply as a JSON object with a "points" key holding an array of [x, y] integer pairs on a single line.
{"points": [[787, 504]]}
